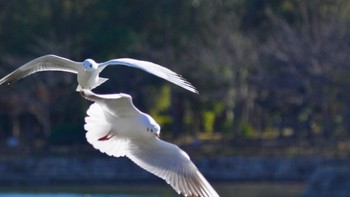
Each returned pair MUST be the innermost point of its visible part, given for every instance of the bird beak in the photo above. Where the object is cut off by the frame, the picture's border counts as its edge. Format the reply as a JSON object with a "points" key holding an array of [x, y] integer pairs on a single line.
{"points": [[157, 135]]}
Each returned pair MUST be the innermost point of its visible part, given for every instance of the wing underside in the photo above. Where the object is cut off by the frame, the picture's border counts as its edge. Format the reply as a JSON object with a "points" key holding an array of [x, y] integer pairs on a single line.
{"points": [[154, 69], [101, 135], [170, 163], [44, 63]]}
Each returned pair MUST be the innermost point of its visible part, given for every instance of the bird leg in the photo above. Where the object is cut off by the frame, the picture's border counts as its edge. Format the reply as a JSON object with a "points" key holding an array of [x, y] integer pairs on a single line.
{"points": [[106, 137]]}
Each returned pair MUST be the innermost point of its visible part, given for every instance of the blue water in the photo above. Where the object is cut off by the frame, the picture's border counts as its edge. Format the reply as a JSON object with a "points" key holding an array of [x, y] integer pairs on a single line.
{"points": [[153, 190], [71, 195]]}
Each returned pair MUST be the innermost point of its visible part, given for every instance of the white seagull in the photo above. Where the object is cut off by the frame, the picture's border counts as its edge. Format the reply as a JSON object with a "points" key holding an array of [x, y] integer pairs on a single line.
{"points": [[116, 127], [88, 71]]}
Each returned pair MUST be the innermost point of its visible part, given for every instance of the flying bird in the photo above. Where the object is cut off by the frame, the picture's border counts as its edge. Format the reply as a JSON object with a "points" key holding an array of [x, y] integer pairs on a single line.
{"points": [[116, 127], [88, 71]]}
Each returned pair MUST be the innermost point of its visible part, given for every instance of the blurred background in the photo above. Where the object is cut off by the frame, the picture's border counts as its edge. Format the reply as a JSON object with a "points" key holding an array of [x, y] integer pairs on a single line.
{"points": [[272, 117]]}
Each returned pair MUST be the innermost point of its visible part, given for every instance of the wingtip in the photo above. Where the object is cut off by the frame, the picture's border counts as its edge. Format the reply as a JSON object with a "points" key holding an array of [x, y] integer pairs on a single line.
{"points": [[5, 83], [186, 84], [192, 89]]}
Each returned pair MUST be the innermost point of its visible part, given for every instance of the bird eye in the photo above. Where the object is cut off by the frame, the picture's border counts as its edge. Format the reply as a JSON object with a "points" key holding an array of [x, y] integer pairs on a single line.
{"points": [[90, 65]]}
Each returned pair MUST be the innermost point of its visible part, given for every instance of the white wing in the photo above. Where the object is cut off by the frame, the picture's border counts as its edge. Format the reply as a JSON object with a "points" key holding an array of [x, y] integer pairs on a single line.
{"points": [[172, 164], [43, 63], [97, 127], [154, 69], [115, 104]]}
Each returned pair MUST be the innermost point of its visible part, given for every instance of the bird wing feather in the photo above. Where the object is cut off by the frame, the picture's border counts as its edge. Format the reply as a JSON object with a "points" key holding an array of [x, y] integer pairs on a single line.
{"points": [[116, 104], [43, 63], [154, 69], [97, 126], [172, 164]]}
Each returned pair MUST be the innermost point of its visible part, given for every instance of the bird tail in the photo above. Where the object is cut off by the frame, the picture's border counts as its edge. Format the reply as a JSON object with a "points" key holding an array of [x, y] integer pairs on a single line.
{"points": [[79, 88], [100, 81], [100, 134]]}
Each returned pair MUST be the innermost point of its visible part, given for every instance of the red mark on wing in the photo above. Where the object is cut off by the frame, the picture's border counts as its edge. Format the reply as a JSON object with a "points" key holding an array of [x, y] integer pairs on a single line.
{"points": [[106, 137]]}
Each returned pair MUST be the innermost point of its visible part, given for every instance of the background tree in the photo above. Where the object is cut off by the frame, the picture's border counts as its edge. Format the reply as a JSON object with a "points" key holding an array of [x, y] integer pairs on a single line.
{"points": [[267, 71]]}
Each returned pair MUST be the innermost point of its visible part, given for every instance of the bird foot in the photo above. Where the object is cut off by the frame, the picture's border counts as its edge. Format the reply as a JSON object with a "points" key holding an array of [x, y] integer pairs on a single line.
{"points": [[106, 137]]}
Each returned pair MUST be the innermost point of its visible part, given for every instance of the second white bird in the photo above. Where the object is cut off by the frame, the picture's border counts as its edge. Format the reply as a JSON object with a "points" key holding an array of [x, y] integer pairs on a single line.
{"points": [[116, 127]]}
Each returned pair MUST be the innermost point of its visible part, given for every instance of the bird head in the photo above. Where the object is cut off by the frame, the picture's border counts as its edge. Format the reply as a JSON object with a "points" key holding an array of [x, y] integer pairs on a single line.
{"points": [[155, 129], [90, 65], [153, 126]]}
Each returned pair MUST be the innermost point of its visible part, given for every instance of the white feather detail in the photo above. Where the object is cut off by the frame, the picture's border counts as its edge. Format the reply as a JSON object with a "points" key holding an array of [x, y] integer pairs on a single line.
{"points": [[97, 127], [172, 164]]}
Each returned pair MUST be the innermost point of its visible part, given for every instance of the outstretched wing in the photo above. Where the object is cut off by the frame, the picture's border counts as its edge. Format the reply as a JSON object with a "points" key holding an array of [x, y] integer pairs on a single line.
{"points": [[172, 164], [115, 104], [154, 69], [43, 63]]}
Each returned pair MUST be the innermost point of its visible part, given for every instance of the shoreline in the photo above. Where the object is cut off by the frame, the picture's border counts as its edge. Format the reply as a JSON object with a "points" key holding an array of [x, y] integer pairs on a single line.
{"points": [[28, 170]]}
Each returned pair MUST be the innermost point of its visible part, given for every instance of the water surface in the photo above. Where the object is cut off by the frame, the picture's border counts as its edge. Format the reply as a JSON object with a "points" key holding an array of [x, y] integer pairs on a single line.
{"points": [[153, 190]]}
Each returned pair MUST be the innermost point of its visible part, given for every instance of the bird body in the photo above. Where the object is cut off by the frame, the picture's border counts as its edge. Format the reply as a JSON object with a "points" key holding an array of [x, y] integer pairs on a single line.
{"points": [[116, 127], [88, 71]]}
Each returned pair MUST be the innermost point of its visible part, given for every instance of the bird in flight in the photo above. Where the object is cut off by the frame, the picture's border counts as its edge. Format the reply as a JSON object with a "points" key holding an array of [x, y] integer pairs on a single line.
{"points": [[116, 127], [88, 71]]}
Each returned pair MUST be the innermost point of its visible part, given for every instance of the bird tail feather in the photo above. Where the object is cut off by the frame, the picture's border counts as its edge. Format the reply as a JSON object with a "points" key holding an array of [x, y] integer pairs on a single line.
{"points": [[100, 81]]}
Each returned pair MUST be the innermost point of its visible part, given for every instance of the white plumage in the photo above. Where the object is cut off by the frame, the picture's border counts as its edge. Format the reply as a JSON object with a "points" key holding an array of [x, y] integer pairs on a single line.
{"points": [[88, 71], [116, 127]]}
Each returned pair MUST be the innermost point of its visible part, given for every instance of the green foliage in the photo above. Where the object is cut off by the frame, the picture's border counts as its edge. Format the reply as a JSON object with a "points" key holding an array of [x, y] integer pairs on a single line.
{"points": [[161, 105], [247, 129], [188, 117], [208, 121], [262, 67]]}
